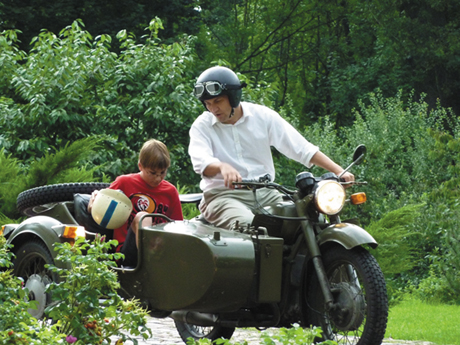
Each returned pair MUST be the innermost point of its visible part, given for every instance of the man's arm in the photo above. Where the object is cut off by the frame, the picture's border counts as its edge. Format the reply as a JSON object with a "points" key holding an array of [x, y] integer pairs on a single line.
{"points": [[323, 161]]}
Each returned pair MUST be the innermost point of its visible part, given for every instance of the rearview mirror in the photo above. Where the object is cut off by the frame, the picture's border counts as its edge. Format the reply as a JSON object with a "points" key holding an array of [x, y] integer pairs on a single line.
{"points": [[359, 154]]}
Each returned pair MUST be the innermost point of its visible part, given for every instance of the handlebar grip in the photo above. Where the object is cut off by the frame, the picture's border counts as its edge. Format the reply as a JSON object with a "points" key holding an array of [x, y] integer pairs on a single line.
{"points": [[247, 180]]}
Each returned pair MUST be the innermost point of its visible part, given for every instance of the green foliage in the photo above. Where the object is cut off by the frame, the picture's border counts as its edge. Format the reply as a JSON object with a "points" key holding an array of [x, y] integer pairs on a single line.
{"points": [[10, 183], [396, 252], [328, 55], [77, 306], [71, 86], [107, 17], [5, 254], [312, 61], [412, 177], [443, 212], [64, 165], [294, 335], [189, 211], [435, 288], [78, 310], [16, 324]]}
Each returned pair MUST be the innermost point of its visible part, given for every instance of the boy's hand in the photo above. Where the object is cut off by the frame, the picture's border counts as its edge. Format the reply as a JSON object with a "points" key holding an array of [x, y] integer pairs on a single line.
{"points": [[91, 200]]}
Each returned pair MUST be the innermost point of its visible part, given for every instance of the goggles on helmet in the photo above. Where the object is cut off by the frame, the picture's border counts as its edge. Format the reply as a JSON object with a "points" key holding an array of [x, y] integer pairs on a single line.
{"points": [[213, 88]]}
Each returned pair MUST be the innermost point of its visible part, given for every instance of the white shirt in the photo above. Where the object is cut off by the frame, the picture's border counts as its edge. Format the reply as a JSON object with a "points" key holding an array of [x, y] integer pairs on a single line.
{"points": [[245, 145]]}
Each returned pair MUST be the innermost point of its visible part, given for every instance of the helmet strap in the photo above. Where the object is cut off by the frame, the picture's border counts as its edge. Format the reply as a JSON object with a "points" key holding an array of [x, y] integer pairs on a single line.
{"points": [[232, 113]]}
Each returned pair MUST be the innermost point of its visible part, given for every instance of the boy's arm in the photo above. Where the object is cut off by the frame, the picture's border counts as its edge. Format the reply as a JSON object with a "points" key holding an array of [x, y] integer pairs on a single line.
{"points": [[176, 207]]}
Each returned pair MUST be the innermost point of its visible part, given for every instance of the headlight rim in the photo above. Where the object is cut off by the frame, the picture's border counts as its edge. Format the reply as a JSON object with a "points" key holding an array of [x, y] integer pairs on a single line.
{"points": [[321, 204]]}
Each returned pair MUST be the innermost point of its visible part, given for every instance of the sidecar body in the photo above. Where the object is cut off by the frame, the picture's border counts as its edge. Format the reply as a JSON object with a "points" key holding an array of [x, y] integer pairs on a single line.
{"points": [[194, 266], [182, 265]]}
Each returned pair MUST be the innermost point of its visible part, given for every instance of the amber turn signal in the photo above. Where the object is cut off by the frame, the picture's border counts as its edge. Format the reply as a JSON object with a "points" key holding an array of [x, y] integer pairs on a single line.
{"points": [[358, 198], [73, 232]]}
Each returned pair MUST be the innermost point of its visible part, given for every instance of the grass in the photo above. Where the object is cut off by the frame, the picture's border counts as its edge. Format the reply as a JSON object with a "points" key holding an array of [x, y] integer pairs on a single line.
{"points": [[416, 320]]}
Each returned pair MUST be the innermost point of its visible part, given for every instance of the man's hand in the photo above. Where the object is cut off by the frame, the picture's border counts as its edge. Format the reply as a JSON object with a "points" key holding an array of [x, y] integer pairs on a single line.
{"points": [[229, 173], [348, 177]]}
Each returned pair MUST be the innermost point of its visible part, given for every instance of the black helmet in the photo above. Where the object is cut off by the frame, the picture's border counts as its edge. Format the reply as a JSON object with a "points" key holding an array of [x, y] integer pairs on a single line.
{"points": [[216, 81]]}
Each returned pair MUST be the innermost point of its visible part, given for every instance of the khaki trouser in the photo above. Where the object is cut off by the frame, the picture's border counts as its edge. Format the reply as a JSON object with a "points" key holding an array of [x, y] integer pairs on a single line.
{"points": [[223, 207]]}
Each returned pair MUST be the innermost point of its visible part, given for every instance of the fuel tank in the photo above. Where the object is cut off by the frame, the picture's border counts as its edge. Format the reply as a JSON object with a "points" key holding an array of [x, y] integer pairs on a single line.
{"points": [[279, 226], [192, 266]]}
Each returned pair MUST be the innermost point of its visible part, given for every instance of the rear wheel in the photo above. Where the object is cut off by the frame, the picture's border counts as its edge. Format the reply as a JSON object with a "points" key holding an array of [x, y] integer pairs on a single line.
{"points": [[360, 311], [29, 264], [187, 330]]}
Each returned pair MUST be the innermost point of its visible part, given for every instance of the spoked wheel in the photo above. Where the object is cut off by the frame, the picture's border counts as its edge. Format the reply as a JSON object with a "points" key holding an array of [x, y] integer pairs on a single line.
{"points": [[198, 332], [29, 264], [360, 312]]}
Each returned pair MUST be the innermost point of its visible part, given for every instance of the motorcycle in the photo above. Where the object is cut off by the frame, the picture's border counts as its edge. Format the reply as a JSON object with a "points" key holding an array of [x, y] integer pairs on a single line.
{"points": [[297, 263]]}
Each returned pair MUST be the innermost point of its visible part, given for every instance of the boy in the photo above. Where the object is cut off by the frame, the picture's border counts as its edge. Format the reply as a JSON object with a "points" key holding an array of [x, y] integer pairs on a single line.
{"points": [[149, 193]]}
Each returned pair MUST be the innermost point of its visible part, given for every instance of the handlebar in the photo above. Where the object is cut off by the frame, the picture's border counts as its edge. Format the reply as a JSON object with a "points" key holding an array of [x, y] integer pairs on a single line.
{"points": [[256, 184], [353, 183], [265, 182]]}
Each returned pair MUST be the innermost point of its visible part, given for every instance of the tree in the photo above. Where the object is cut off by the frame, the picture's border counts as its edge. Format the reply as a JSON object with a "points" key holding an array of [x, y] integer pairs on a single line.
{"points": [[326, 55], [72, 86], [100, 17]]}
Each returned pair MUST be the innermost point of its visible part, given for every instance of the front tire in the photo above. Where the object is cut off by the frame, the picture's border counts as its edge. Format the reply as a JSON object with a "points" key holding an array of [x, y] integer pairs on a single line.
{"points": [[29, 264], [187, 330], [360, 297]]}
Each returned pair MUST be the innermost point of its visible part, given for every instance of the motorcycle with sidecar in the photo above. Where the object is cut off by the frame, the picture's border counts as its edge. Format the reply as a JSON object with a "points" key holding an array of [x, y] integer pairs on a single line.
{"points": [[297, 263]]}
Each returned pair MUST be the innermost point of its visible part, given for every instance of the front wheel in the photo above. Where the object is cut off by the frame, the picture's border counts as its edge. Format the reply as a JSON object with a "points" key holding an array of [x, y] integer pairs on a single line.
{"points": [[360, 311], [29, 264], [187, 330]]}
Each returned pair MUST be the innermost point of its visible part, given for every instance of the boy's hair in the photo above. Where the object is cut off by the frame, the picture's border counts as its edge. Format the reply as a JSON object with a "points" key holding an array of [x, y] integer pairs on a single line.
{"points": [[154, 155]]}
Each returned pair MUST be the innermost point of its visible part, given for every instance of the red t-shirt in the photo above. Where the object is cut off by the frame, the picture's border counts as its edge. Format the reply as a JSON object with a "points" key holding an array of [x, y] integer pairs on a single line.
{"points": [[162, 199]]}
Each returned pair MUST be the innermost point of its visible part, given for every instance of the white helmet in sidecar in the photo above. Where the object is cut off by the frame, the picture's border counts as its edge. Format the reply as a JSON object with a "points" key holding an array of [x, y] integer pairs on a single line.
{"points": [[111, 208]]}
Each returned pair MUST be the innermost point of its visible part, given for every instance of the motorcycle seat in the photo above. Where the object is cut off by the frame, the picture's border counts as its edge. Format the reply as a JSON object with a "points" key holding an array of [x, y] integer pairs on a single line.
{"points": [[192, 198]]}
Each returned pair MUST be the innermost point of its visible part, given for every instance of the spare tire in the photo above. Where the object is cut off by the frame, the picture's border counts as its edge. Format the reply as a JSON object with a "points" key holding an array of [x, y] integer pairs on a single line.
{"points": [[31, 198]]}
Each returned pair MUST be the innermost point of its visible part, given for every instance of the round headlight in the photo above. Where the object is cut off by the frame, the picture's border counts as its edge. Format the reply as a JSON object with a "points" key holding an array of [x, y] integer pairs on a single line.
{"points": [[329, 197]]}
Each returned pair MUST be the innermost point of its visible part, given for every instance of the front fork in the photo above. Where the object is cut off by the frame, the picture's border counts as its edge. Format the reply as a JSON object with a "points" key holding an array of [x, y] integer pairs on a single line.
{"points": [[313, 248]]}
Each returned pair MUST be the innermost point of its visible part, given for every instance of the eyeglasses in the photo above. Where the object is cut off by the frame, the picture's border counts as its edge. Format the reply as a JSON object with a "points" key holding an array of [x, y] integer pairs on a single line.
{"points": [[213, 88]]}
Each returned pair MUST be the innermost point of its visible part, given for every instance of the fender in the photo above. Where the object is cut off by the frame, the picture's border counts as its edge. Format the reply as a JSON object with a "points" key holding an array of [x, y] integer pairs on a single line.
{"points": [[45, 228], [346, 234]]}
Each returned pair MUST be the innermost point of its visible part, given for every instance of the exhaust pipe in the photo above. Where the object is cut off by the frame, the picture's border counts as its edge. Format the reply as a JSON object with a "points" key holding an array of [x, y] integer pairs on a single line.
{"points": [[194, 318], [209, 320]]}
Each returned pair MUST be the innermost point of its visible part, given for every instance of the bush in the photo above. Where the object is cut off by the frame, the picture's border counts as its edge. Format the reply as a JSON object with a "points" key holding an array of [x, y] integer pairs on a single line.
{"points": [[71, 86], [411, 160], [81, 318], [61, 166], [87, 305]]}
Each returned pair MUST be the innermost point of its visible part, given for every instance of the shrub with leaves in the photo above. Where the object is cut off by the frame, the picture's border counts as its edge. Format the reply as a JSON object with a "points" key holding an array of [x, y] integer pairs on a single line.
{"points": [[16, 324], [55, 166], [87, 306], [71, 86]]}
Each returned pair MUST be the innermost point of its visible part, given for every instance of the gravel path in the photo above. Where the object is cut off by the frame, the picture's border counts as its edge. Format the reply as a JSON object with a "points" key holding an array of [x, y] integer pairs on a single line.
{"points": [[165, 333]]}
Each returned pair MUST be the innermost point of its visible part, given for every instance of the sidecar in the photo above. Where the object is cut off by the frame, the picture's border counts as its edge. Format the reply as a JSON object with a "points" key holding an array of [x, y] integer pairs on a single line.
{"points": [[189, 265], [182, 265]]}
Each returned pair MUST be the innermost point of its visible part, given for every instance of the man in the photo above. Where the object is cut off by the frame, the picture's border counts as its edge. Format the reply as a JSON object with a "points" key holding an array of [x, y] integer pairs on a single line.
{"points": [[232, 140]]}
